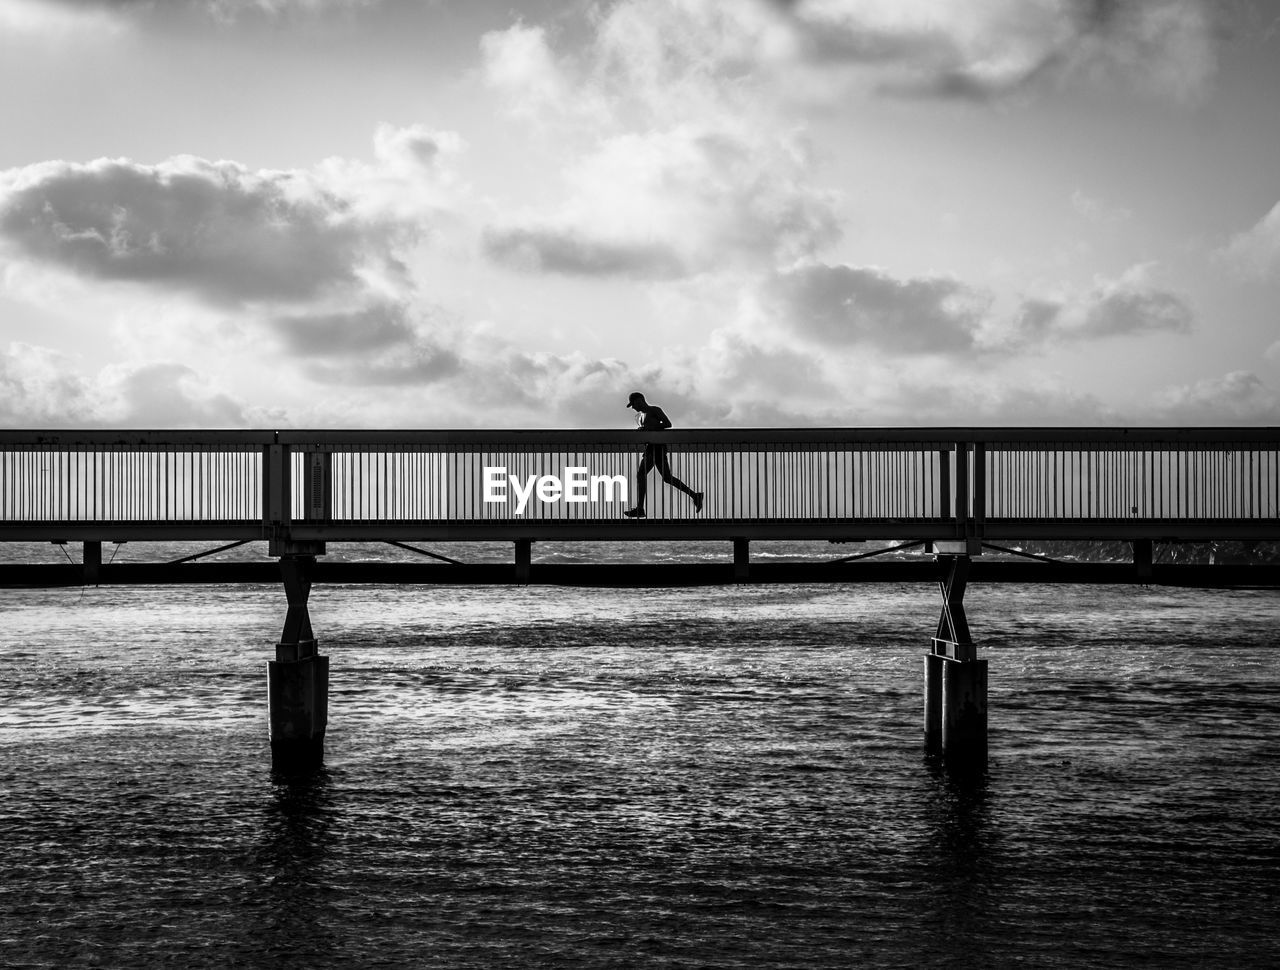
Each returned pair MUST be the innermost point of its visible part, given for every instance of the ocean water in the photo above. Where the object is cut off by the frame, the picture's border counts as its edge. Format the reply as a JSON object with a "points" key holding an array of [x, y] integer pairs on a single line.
{"points": [[721, 777]]}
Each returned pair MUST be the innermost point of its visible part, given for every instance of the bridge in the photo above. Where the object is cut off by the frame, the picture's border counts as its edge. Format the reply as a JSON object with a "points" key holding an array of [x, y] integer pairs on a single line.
{"points": [[953, 492]]}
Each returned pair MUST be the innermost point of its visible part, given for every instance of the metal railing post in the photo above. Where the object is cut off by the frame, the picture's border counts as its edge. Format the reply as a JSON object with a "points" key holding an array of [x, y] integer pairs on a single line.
{"points": [[277, 498], [962, 489]]}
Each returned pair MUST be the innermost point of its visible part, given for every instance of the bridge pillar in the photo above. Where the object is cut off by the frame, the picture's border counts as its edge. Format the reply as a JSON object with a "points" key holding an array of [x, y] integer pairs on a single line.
{"points": [[955, 680], [1142, 558], [524, 560], [741, 560], [92, 555], [298, 679]]}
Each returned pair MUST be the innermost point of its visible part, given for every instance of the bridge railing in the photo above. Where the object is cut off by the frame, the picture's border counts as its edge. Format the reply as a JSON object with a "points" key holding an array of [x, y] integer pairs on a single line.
{"points": [[586, 476], [137, 476], [916, 483], [1083, 478]]}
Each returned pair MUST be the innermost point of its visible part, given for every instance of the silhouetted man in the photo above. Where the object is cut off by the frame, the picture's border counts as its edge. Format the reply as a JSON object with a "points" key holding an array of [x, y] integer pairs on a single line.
{"points": [[650, 417]]}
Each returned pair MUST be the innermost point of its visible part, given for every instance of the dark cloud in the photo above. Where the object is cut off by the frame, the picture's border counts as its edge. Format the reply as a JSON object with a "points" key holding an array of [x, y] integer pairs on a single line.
{"points": [[216, 229], [999, 49], [377, 345], [845, 305], [360, 332], [1125, 307], [413, 367], [576, 253], [1135, 312]]}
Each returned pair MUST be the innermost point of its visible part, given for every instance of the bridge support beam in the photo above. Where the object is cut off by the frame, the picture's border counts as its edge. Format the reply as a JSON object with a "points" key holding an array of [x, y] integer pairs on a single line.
{"points": [[298, 679], [955, 680]]}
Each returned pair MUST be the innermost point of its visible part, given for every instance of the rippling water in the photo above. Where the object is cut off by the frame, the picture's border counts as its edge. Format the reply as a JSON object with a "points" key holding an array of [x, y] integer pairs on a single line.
{"points": [[712, 777]]}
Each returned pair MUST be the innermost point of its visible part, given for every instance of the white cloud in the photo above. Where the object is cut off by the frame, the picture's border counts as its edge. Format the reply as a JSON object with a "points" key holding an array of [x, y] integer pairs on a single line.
{"points": [[56, 20], [315, 256], [40, 387], [54, 17], [230, 234], [1239, 397], [1256, 251], [1098, 212], [673, 202], [519, 64]]}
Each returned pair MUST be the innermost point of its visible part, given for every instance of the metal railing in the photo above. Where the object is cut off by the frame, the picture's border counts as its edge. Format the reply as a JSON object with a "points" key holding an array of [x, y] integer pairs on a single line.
{"points": [[594, 480], [917, 483]]}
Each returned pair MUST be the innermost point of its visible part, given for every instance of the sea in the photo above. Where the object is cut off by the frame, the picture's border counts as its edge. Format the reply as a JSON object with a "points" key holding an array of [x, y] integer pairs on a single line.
{"points": [[688, 777]]}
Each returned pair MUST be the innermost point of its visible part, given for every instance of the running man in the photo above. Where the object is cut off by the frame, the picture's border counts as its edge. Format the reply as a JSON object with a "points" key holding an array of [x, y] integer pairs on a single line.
{"points": [[650, 417]]}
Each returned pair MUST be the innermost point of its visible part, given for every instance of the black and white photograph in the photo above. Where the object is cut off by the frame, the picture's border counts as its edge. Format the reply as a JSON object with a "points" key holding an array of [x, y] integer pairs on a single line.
{"points": [[639, 483]]}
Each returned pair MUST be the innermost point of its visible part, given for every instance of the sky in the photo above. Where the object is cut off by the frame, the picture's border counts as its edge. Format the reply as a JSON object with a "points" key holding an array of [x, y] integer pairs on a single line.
{"points": [[466, 213]]}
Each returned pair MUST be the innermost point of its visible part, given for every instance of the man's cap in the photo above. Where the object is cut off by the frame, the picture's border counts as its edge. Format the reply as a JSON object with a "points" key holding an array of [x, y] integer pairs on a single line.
{"points": [[635, 396]]}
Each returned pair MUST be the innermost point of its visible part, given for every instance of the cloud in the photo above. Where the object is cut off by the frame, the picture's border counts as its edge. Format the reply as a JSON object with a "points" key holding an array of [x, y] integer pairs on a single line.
{"points": [[1097, 211], [846, 306], [316, 256], [519, 63], [167, 394], [57, 20], [1256, 251], [1239, 397], [985, 49], [216, 229], [575, 251], [229, 234], [685, 55], [1127, 305], [41, 387], [45, 16], [375, 327], [667, 203]]}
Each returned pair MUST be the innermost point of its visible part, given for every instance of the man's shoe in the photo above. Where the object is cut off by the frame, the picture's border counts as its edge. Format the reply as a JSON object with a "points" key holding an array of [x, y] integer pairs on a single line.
{"points": [[697, 501], [636, 513]]}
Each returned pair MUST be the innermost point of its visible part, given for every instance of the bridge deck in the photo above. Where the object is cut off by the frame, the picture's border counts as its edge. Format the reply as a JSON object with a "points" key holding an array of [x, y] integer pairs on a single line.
{"points": [[1172, 484]]}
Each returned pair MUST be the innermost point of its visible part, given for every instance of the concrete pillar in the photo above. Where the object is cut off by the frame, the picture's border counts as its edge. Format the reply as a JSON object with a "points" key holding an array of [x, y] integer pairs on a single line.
{"points": [[933, 701], [298, 679], [524, 559], [1142, 558], [92, 562], [955, 707], [955, 680], [741, 560], [964, 709], [298, 701]]}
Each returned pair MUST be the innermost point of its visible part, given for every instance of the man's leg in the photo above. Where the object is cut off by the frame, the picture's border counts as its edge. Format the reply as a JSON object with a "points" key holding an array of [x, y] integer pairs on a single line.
{"points": [[642, 485], [664, 469]]}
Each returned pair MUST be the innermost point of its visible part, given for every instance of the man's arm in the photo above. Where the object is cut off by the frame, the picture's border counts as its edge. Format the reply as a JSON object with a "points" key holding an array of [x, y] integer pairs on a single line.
{"points": [[664, 422]]}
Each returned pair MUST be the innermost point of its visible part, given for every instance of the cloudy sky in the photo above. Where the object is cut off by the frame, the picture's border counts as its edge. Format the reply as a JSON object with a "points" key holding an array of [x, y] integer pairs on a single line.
{"points": [[448, 213]]}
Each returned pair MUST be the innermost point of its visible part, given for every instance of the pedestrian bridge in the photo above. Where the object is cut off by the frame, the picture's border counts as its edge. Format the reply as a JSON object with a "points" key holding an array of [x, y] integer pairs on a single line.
{"points": [[955, 491], [1170, 484]]}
